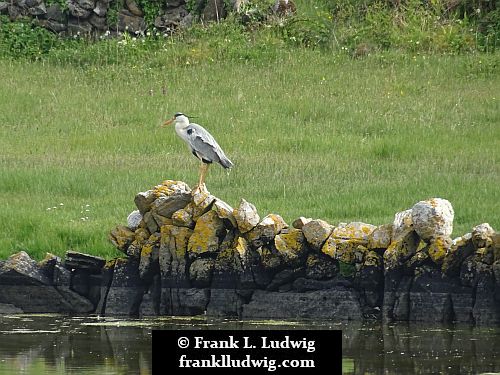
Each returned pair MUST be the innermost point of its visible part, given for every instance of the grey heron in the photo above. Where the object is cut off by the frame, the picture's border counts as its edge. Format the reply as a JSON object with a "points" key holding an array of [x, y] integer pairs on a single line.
{"points": [[201, 144]]}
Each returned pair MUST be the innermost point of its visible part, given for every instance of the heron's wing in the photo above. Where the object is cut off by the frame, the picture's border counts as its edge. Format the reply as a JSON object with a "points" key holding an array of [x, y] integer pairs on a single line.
{"points": [[202, 142]]}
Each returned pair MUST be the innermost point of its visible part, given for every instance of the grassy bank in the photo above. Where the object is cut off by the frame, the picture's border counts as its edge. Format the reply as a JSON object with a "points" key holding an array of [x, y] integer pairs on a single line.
{"points": [[311, 133]]}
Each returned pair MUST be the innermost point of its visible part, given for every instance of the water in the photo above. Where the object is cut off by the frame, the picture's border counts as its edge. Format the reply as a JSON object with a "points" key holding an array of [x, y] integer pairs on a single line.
{"points": [[55, 344]]}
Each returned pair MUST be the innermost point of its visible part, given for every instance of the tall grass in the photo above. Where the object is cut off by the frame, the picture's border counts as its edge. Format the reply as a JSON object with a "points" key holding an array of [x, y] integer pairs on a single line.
{"points": [[311, 133]]}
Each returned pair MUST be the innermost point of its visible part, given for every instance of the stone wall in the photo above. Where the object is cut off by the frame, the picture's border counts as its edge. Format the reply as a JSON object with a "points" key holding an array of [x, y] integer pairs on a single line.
{"points": [[96, 17], [187, 253]]}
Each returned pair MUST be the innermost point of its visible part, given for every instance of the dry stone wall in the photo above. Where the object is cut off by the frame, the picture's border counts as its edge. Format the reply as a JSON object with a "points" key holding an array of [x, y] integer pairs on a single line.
{"points": [[186, 252]]}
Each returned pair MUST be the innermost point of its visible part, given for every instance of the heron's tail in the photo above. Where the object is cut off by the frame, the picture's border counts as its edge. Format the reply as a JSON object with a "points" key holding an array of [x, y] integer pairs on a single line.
{"points": [[225, 162]]}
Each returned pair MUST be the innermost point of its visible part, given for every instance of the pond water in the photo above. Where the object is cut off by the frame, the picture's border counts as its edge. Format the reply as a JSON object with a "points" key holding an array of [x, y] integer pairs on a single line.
{"points": [[55, 344]]}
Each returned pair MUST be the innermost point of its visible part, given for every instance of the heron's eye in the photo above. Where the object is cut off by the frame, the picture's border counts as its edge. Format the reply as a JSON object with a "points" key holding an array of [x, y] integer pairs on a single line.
{"points": [[190, 131]]}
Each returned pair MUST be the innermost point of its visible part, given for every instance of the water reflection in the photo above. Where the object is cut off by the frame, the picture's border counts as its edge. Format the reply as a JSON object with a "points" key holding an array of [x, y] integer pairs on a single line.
{"points": [[54, 344]]}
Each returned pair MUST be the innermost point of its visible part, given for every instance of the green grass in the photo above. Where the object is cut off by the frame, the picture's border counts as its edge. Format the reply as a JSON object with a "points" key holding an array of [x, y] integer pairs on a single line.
{"points": [[312, 133]]}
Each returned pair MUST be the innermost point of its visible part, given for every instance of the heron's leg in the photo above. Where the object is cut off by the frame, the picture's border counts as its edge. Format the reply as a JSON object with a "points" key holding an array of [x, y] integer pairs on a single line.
{"points": [[203, 173]]}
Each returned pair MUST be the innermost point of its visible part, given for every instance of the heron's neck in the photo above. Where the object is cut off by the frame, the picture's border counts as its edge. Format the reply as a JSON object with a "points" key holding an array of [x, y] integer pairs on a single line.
{"points": [[180, 126]]}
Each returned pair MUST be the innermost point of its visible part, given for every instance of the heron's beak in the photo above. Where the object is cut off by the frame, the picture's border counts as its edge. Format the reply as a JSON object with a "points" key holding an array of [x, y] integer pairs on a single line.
{"points": [[168, 122]]}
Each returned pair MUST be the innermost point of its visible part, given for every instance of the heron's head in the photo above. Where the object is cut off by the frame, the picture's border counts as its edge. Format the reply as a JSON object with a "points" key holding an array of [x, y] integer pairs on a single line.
{"points": [[179, 117]]}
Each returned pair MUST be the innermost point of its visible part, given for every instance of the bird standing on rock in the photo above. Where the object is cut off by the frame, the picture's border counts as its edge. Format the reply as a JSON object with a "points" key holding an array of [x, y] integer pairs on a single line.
{"points": [[201, 143]]}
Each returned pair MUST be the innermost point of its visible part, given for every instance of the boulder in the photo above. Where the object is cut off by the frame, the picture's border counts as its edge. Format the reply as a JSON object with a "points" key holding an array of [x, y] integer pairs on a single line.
{"points": [[144, 200], [76, 10], [402, 225], [121, 237], [173, 256], [225, 212], [55, 13], [151, 223], [354, 231], [320, 267], [439, 247], [149, 260], [433, 218], [167, 205], [101, 8], [300, 222], [205, 237], [202, 202], [246, 216], [400, 250], [291, 246], [482, 235], [316, 233], [461, 248], [266, 230], [200, 272], [134, 8], [79, 27], [380, 238], [134, 220], [90, 263], [183, 217], [214, 11]]}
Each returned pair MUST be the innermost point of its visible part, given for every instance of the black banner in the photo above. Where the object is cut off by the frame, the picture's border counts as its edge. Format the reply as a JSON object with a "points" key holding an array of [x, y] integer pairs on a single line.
{"points": [[253, 352]]}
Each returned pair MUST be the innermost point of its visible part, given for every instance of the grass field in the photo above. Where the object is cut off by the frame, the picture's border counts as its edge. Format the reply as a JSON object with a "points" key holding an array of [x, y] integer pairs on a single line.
{"points": [[311, 133]]}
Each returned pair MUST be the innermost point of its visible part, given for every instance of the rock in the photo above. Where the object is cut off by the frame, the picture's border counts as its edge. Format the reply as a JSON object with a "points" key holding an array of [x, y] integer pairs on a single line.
{"points": [[205, 237], [170, 187], [144, 200], [266, 230], [86, 4], [121, 237], [402, 225], [167, 205], [380, 238], [291, 246], [354, 231], [246, 216], [101, 8], [52, 25], [21, 269], [438, 249], [37, 10], [200, 272], [302, 284], [224, 211], [76, 27], [7, 308], [172, 18], [183, 218], [161, 220], [400, 250], [346, 251], [76, 260], [173, 256], [149, 260], [126, 290], [134, 8], [29, 289], [286, 276], [433, 218], [151, 223], [300, 222], [321, 267], [337, 304], [55, 13], [47, 264], [3, 7], [134, 218], [187, 301], [482, 235], [202, 202], [101, 23], [316, 233], [214, 11], [76, 10], [372, 259], [461, 248]]}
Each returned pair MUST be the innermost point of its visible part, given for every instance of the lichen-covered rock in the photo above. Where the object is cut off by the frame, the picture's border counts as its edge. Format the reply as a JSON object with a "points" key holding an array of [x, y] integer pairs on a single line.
{"points": [[482, 235], [173, 255], [170, 187], [224, 211], [461, 248], [205, 237], [149, 260], [266, 230], [354, 231], [161, 220], [380, 238], [184, 217], [316, 233], [402, 225], [372, 259], [433, 218], [167, 205], [300, 222], [438, 249], [401, 250], [151, 223], [134, 220], [246, 216], [202, 201], [121, 237], [291, 245], [77, 260]]}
